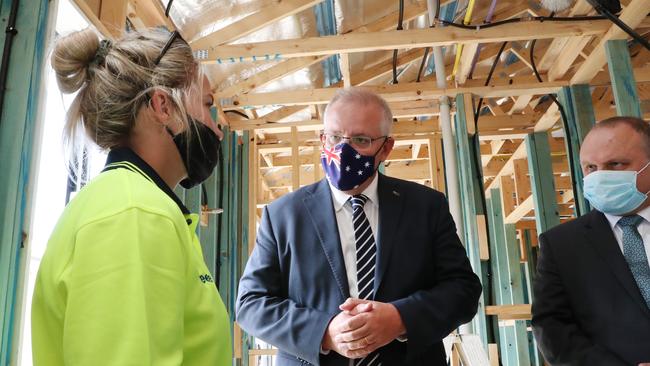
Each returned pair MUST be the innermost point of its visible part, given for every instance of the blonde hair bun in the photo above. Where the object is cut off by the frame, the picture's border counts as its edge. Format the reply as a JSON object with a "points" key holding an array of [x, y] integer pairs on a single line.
{"points": [[72, 57], [114, 78]]}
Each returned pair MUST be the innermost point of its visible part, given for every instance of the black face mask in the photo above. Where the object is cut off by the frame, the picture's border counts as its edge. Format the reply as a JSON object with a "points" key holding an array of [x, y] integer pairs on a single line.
{"points": [[199, 147]]}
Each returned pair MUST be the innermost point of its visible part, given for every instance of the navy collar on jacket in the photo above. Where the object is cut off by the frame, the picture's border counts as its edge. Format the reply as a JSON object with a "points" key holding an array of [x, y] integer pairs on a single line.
{"points": [[125, 154]]}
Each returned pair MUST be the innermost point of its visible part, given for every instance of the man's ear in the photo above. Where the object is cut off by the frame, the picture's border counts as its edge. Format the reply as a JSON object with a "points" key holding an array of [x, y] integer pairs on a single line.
{"points": [[161, 107], [388, 147]]}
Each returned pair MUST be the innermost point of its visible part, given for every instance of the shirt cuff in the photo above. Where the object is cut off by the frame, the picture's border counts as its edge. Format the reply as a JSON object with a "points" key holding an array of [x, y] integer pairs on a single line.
{"points": [[403, 338], [324, 352]]}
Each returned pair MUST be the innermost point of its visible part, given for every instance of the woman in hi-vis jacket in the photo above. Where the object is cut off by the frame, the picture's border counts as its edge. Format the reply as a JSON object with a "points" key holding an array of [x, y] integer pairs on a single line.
{"points": [[123, 280]]}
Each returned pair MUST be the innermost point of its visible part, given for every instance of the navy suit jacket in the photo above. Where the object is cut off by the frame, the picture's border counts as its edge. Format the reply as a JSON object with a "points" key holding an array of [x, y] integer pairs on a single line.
{"points": [[295, 278], [587, 307]]}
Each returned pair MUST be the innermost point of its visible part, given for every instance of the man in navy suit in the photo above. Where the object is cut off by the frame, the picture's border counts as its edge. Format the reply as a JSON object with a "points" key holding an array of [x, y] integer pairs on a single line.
{"points": [[592, 292], [357, 269]]}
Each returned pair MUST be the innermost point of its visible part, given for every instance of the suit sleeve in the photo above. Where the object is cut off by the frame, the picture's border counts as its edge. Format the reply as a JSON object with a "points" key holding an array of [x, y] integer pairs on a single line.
{"points": [[264, 309], [431, 314], [560, 338], [125, 292]]}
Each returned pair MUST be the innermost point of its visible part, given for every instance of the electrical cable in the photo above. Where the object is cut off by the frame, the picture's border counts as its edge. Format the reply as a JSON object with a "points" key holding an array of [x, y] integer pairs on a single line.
{"points": [[10, 33], [540, 19], [565, 125], [204, 196], [479, 174], [487, 82], [169, 7], [395, 81], [217, 257], [220, 202], [602, 10], [424, 61], [237, 113], [221, 198], [428, 49], [400, 26], [475, 144]]}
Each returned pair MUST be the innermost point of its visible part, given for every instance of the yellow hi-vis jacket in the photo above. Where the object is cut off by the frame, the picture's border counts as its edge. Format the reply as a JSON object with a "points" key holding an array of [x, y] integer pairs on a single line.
{"points": [[123, 280]]}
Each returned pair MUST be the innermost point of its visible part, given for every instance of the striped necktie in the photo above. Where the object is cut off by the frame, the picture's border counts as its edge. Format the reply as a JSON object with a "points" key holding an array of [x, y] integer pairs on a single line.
{"points": [[635, 254], [366, 260]]}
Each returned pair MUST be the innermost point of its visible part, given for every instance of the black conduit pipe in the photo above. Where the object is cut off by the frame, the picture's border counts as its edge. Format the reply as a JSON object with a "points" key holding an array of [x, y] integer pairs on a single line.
{"points": [[10, 33]]}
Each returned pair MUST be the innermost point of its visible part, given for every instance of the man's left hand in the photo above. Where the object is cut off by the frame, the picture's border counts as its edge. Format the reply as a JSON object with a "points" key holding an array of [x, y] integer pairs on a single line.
{"points": [[372, 329]]}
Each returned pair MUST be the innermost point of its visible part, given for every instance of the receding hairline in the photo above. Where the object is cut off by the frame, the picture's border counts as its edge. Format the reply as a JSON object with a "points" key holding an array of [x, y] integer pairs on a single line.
{"points": [[639, 125], [363, 97]]}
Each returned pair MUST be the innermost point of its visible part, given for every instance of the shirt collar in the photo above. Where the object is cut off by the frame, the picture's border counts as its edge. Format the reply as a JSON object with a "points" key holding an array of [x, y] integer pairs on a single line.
{"points": [[120, 155], [340, 198], [613, 219]]}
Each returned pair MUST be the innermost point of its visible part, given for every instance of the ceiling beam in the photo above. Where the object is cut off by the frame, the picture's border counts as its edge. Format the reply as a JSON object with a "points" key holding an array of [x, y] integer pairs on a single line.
{"points": [[92, 15], [269, 75], [567, 57], [415, 108], [411, 38], [556, 146], [521, 103], [143, 14], [549, 119], [393, 93], [113, 15], [290, 66], [632, 15], [151, 13], [280, 114], [344, 65], [486, 124], [269, 14], [399, 127], [558, 44], [495, 123], [365, 76], [402, 154], [465, 62]]}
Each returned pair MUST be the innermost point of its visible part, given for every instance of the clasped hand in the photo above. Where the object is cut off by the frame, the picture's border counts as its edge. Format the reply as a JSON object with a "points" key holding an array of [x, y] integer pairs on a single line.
{"points": [[361, 327]]}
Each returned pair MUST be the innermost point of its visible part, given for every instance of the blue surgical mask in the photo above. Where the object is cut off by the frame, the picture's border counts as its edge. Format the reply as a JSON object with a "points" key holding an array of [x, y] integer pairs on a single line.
{"points": [[614, 191]]}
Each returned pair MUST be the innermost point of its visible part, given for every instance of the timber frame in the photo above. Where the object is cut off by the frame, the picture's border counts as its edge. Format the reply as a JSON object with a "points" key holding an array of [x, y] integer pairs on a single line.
{"points": [[521, 150]]}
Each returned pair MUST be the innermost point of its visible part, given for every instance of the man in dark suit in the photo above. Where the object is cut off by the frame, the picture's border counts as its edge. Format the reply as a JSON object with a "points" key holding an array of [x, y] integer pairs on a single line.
{"points": [[591, 302], [359, 265]]}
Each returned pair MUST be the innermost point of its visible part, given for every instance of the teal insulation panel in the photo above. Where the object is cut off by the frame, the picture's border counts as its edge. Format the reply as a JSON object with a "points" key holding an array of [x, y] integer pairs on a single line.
{"points": [[17, 129]]}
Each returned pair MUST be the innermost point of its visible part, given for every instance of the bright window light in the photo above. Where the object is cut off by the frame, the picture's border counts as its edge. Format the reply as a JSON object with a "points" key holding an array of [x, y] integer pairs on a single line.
{"points": [[51, 180]]}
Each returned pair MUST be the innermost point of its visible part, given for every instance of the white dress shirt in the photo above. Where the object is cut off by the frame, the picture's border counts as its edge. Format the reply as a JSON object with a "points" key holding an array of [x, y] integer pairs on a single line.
{"points": [[643, 228], [343, 210]]}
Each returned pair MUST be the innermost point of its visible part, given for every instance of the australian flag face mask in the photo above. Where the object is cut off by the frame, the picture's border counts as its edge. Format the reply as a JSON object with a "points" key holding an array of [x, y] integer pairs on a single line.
{"points": [[345, 167]]}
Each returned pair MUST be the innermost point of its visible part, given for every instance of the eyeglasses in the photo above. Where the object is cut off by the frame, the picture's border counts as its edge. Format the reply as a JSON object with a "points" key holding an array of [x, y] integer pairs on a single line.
{"points": [[361, 142], [172, 38]]}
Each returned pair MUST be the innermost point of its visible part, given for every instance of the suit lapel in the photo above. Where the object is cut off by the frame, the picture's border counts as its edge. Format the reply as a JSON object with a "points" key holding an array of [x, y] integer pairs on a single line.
{"points": [[321, 211], [390, 211], [600, 235]]}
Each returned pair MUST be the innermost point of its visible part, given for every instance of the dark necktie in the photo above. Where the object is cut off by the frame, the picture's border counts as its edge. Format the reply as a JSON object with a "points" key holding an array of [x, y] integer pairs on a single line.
{"points": [[635, 254], [366, 260]]}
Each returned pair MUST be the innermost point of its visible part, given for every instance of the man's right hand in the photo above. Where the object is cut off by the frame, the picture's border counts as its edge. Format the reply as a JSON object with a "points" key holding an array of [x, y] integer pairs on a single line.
{"points": [[341, 323]]}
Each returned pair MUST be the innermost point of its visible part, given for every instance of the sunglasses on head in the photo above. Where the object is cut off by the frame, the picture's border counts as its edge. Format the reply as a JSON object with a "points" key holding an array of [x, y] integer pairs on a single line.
{"points": [[170, 41]]}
